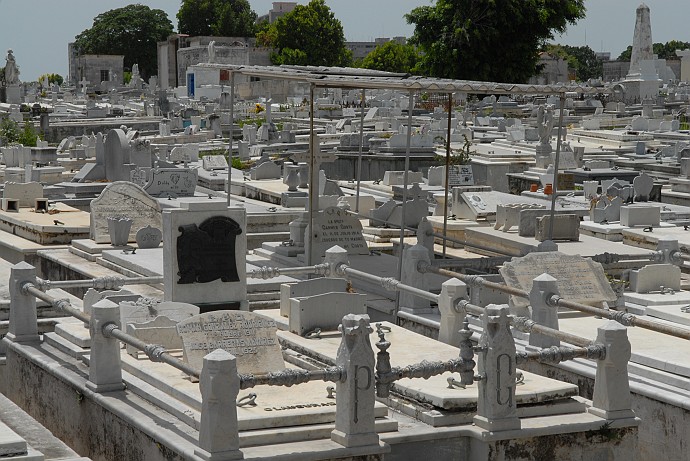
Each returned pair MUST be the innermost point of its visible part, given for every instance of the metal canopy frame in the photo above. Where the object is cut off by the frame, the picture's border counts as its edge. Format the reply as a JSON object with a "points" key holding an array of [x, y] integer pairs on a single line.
{"points": [[364, 79]]}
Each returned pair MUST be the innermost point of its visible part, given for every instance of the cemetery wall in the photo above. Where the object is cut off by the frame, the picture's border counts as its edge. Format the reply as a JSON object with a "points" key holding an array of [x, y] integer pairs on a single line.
{"points": [[93, 425], [373, 166], [665, 416], [57, 132]]}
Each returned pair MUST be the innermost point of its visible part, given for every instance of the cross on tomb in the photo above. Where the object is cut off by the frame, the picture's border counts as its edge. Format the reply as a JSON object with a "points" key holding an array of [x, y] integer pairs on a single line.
{"points": [[319, 157], [84, 83]]}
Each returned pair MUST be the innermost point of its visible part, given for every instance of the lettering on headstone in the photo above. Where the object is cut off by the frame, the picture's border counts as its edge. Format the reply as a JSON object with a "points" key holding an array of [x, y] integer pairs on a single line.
{"points": [[460, 175], [171, 182], [251, 338], [335, 226], [579, 279], [207, 252]]}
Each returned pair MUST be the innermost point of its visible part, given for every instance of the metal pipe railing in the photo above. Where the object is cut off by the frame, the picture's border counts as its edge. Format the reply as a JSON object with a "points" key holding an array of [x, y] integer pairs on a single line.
{"points": [[558, 354], [290, 377], [155, 352], [388, 283], [100, 283], [268, 272], [623, 318]]}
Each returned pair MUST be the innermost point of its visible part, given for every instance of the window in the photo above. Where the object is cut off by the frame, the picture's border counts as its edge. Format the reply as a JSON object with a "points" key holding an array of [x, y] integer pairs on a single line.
{"points": [[105, 75]]}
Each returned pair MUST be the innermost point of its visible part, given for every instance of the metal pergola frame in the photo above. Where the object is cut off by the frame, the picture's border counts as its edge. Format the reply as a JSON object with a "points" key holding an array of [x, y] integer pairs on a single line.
{"points": [[366, 79]]}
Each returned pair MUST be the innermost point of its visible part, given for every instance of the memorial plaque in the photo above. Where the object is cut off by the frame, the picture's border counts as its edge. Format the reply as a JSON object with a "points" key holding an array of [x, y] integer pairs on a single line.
{"points": [[579, 279], [566, 181], [123, 199], [214, 162], [460, 175], [149, 237], [207, 252], [171, 182], [251, 338], [335, 226]]}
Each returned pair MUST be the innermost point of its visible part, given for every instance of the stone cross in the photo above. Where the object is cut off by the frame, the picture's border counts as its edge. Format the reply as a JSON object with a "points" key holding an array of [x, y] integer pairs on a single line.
{"points": [[84, 84]]}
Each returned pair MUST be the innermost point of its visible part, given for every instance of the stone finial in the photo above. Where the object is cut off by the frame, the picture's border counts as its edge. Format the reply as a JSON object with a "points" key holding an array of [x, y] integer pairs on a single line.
{"points": [[105, 368], [543, 287], [496, 405], [335, 256], [452, 291], [23, 320], [611, 398], [354, 419], [219, 383]]}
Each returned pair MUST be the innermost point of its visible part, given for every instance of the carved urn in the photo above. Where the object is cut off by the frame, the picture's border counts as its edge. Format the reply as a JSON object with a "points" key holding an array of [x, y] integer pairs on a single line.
{"points": [[118, 228]]}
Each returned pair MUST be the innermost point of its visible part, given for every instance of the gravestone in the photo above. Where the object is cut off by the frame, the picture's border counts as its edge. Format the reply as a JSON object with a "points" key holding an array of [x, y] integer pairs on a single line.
{"points": [[145, 310], [251, 338], [308, 288], [204, 257], [397, 178], [149, 237], [579, 279], [116, 156], [171, 182], [460, 175], [161, 331], [26, 193], [214, 162], [123, 199], [266, 170], [653, 277], [335, 226], [180, 154], [324, 311]]}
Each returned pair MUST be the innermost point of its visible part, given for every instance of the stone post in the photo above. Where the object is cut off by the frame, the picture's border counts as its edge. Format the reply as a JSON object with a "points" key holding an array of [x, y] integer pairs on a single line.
{"points": [[23, 322], [411, 276], [105, 369], [543, 287], [219, 438], [611, 398], [452, 291], [335, 256], [496, 405], [667, 248], [355, 397]]}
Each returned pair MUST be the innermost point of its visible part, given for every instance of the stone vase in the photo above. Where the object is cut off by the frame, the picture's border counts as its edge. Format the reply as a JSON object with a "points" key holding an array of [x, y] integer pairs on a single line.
{"points": [[118, 229]]}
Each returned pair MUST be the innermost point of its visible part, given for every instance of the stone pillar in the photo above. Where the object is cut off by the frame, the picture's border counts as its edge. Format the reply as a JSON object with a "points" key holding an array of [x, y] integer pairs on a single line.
{"points": [[219, 438], [496, 405], [611, 398], [23, 322], [684, 56], [334, 257], [105, 368], [412, 256], [667, 246], [355, 398], [452, 291], [543, 314]]}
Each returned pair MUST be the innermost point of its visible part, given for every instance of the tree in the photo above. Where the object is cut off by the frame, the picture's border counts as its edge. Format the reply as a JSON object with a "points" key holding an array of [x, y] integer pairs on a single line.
{"points": [[495, 40], [662, 50], [223, 18], [132, 31], [581, 59], [392, 57], [52, 78], [308, 35]]}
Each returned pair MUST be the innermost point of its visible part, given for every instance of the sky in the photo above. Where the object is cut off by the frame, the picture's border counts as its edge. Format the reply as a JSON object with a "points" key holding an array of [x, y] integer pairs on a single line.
{"points": [[38, 30]]}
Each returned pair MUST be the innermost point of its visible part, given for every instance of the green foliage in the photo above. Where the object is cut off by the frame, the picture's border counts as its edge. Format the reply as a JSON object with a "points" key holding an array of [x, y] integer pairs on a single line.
{"points": [[460, 156], [496, 40], [392, 57], [52, 78], [581, 59], [132, 31], [308, 35], [28, 136], [223, 18], [9, 131], [663, 50]]}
